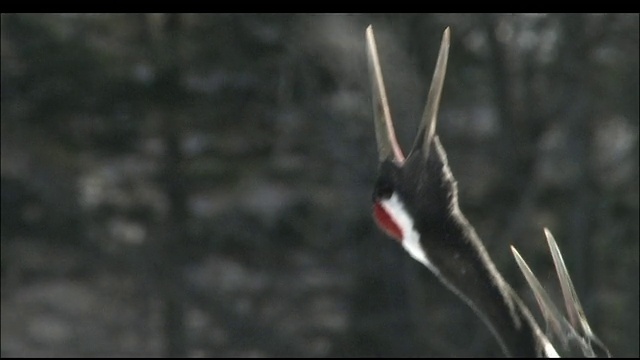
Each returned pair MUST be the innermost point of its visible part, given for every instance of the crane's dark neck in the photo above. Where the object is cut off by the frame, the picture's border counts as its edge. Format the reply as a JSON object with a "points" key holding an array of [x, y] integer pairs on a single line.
{"points": [[470, 273], [459, 257]]}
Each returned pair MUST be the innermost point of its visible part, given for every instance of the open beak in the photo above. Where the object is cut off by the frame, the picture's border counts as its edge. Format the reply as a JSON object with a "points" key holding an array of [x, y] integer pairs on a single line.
{"points": [[577, 327], [388, 147]]}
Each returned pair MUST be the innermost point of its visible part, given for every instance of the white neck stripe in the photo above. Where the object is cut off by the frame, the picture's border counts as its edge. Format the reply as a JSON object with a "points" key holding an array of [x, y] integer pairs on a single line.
{"points": [[410, 237]]}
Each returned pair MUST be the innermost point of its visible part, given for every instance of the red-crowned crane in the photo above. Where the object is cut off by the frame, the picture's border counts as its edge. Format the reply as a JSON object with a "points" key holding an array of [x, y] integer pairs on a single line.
{"points": [[416, 202]]}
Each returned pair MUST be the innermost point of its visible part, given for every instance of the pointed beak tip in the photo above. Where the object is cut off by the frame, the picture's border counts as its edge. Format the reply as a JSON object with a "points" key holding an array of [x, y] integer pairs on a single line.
{"points": [[514, 251]]}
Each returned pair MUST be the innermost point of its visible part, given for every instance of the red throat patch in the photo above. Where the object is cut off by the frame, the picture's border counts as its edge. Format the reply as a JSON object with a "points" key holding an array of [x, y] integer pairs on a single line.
{"points": [[386, 223]]}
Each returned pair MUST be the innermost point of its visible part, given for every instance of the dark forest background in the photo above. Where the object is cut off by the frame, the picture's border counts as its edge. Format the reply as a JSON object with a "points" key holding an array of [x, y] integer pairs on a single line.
{"points": [[200, 185]]}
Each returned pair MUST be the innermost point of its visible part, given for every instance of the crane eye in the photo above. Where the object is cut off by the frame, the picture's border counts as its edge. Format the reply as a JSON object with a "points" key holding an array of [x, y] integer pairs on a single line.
{"points": [[383, 190]]}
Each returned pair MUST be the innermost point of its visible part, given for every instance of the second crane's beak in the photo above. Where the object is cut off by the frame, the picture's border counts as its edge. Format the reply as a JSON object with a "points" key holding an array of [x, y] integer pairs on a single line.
{"points": [[388, 147]]}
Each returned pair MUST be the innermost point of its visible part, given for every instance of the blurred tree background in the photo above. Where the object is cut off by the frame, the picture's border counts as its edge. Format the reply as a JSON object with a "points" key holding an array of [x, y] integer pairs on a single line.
{"points": [[200, 185]]}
